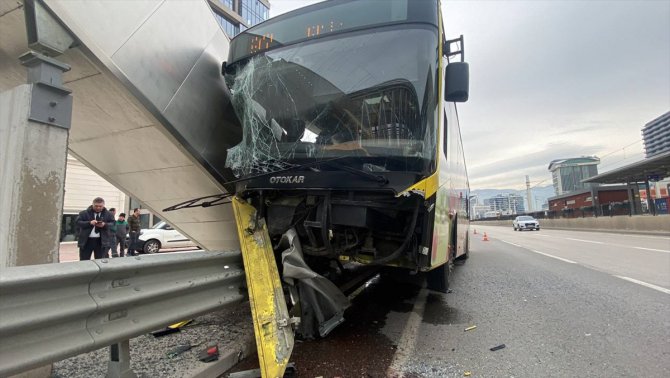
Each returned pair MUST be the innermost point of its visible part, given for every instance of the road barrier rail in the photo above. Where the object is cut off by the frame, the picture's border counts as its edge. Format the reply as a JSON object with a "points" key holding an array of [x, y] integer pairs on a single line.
{"points": [[54, 311]]}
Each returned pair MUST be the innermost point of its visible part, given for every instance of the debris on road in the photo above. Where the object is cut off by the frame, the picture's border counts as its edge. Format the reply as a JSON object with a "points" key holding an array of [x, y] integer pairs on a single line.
{"points": [[467, 373], [209, 354], [179, 349], [470, 328], [173, 328], [501, 346]]}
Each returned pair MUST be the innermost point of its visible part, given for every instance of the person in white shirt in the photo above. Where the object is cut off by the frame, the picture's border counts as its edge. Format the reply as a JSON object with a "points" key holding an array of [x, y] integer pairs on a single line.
{"points": [[94, 224]]}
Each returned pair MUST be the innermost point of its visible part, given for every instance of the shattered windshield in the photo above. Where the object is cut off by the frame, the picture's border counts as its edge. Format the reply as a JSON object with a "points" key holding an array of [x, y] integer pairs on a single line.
{"points": [[368, 95]]}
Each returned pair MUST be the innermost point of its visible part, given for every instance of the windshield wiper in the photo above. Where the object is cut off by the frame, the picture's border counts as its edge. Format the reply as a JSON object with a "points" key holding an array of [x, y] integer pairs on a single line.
{"points": [[218, 199]]}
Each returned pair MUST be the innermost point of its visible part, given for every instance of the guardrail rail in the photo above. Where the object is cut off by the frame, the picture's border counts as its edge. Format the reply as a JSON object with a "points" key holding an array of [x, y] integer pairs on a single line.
{"points": [[54, 311]]}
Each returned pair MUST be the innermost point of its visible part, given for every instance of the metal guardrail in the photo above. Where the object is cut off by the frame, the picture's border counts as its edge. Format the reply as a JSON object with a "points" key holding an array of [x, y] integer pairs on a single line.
{"points": [[54, 311]]}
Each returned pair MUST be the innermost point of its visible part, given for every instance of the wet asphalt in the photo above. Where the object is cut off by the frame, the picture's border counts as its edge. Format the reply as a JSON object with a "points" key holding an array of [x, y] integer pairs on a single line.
{"points": [[556, 319]]}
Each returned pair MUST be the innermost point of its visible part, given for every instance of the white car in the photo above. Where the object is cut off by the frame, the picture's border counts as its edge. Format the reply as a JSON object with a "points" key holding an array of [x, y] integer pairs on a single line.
{"points": [[162, 235], [525, 222]]}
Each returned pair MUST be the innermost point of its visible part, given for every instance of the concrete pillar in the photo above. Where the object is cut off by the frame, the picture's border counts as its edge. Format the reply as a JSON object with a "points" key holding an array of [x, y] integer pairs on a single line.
{"points": [[34, 127], [651, 205]]}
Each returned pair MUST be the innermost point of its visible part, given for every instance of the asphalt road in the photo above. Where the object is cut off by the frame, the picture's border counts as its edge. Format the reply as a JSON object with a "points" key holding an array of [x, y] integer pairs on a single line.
{"points": [[563, 303], [564, 317]]}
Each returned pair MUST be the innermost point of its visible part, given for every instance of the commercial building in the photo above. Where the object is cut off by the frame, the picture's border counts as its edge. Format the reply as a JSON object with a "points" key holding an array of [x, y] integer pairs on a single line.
{"points": [[656, 135], [567, 174], [506, 204], [236, 16], [598, 201]]}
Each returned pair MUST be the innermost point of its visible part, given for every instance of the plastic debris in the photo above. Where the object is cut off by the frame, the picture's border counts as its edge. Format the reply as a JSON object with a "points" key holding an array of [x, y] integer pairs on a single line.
{"points": [[164, 332], [209, 354], [470, 328], [467, 373], [501, 346], [179, 349]]}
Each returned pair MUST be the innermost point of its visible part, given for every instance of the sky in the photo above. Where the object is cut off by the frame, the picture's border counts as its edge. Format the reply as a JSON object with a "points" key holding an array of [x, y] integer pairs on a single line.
{"points": [[555, 79]]}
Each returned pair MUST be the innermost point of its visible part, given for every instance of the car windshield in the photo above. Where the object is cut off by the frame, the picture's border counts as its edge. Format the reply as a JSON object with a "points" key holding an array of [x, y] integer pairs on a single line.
{"points": [[525, 218], [158, 225], [340, 96]]}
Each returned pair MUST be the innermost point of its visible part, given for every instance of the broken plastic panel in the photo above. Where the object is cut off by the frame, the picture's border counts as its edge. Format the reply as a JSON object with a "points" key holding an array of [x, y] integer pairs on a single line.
{"points": [[369, 97]]}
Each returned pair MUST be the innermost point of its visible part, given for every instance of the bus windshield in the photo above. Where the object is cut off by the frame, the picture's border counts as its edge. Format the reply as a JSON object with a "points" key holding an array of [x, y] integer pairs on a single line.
{"points": [[369, 94]]}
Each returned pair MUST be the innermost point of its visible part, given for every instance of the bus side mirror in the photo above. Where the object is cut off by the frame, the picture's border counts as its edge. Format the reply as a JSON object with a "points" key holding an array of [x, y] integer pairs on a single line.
{"points": [[457, 82]]}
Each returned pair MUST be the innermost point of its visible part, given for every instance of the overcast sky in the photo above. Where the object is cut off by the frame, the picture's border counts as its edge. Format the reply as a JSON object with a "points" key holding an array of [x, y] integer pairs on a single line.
{"points": [[555, 79]]}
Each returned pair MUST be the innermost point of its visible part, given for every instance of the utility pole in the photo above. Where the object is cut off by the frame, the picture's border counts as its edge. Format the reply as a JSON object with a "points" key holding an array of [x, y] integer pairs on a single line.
{"points": [[529, 195]]}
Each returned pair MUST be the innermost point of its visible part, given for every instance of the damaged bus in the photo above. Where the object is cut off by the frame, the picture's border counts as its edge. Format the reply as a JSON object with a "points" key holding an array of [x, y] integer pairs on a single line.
{"points": [[351, 153], [351, 148]]}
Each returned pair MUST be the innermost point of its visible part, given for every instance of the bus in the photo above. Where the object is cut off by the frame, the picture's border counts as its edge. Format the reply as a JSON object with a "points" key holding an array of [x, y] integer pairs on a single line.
{"points": [[351, 148]]}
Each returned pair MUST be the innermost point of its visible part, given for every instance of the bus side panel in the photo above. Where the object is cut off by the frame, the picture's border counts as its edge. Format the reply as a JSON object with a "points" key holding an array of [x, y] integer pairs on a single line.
{"points": [[460, 187]]}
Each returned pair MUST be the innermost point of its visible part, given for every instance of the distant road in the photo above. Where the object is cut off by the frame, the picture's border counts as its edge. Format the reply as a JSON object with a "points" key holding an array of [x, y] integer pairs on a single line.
{"points": [[643, 259]]}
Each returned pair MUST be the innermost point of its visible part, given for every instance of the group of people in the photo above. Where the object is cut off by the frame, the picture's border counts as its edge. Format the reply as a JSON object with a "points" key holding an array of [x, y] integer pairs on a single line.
{"points": [[101, 232]]}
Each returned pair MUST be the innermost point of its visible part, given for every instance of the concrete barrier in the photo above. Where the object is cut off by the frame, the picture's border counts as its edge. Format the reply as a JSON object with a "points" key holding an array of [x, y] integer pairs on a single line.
{"points": [[634, 224]]}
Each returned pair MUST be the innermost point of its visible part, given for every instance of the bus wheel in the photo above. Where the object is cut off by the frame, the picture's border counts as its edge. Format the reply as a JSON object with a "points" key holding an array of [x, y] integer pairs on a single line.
{"points": [[438, 278]]}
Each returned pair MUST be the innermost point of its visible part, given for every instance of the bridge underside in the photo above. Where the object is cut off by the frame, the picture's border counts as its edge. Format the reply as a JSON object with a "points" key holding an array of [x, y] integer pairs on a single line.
{"points": [[149, 112]]}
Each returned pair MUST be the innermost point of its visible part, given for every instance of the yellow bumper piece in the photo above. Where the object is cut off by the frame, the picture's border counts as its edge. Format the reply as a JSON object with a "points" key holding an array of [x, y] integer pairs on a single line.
{"points": [[272, 324]]}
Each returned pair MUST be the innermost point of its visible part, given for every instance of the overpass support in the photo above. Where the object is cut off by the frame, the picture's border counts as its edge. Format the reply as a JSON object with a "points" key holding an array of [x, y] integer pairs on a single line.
{"points": [[34, 129]]}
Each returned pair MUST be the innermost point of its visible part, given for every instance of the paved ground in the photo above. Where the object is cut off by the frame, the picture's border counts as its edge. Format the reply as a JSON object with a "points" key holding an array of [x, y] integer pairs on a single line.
{"points": [[556, 318], [563, 303]]}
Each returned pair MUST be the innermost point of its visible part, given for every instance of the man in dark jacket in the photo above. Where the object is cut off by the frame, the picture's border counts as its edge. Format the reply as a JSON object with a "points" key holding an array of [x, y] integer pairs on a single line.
{"points": [[134, 234], [93, 224]]}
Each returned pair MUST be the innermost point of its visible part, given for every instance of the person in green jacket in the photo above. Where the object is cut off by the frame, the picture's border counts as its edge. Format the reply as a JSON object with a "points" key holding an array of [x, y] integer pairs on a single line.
{"points": [[111, 230], [121, 229]]}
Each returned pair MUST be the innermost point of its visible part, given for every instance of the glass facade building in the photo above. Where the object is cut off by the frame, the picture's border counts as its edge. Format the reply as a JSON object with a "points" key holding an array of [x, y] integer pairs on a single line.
{"points": [[567, 174], [656, 136], [506, 204], [236, 16]]}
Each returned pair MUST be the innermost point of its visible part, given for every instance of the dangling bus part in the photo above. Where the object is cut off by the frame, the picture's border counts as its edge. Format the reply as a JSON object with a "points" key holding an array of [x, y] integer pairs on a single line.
{"points": [[351, 159]]}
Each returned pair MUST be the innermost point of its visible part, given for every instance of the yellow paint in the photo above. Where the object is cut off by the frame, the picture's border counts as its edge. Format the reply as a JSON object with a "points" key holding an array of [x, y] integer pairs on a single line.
{"points": [[427, 186], [268, 307]]}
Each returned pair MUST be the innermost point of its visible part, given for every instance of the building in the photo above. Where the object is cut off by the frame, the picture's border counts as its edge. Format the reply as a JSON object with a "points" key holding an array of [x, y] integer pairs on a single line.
{"points": [[236, 16], [82, 185], [506, 204], [604, 200], [656, 135], [567, 174]]}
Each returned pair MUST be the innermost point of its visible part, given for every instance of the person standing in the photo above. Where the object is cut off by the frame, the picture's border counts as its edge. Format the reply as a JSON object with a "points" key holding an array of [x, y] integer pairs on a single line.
{"points": [[93, 226], [121, 231], [134, 226], [112, 236]]}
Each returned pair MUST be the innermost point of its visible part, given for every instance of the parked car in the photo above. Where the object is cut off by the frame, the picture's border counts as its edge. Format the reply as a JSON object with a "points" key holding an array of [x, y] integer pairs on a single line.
{"points": [[162, 235], [525, 222]]}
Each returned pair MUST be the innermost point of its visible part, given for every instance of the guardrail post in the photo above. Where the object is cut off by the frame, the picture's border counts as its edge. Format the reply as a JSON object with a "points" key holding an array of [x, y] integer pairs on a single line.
{"points": [[119, 362]]}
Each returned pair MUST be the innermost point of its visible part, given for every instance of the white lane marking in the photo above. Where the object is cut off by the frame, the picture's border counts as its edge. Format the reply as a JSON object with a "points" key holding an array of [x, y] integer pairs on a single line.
{"points": [[541, 253], [646, 237], [586, 241], [516, 245], [407, 342], [652, 249], [661, 289], [555, 257]]}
